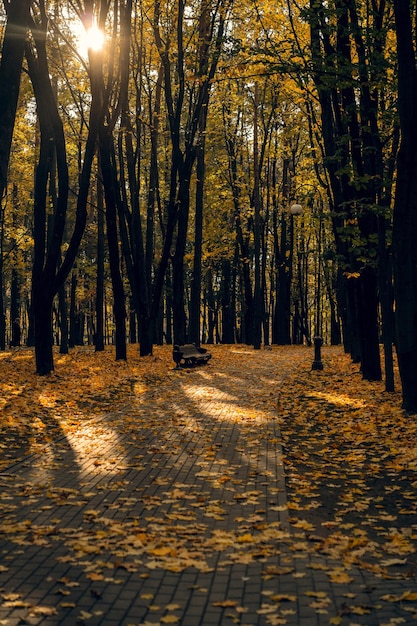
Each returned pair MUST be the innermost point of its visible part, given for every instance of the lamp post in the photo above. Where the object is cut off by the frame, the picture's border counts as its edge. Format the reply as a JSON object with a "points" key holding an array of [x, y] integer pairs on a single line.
{"points": [[297, 209], [318, 340]]}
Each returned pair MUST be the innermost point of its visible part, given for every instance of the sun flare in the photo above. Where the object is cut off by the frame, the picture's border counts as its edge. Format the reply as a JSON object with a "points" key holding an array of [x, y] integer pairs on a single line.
{"points": [[94, 38], [91, 38]]}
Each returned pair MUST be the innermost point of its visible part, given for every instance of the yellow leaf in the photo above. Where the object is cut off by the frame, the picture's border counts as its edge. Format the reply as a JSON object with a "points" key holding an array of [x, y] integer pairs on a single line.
{"points": [[163, 551], [95, 576], [410, 596], [340, 577], [170, 619], [283, 597], [247, 538], [303, 524], [359, 610], [42, 610]]}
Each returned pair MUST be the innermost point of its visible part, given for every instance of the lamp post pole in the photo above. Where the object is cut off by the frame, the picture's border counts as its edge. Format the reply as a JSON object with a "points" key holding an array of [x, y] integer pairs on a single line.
{"points": [[295, 211], [318, 340]]}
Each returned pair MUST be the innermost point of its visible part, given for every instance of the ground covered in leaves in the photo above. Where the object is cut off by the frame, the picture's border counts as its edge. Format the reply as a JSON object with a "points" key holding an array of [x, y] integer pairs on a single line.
{"points": [[351, 466], [350, 459]]}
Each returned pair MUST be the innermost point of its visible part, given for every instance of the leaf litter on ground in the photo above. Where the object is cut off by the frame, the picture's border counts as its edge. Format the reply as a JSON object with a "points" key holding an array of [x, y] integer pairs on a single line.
{"points": [[349, 451]]}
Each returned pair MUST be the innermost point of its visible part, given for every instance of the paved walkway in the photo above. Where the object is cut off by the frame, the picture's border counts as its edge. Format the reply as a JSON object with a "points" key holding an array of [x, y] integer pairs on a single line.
{"points": [[172, 511]]}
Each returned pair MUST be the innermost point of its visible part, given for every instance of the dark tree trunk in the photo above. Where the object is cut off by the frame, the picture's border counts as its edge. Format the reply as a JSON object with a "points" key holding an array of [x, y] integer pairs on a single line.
{"points": [[211, 308], [386, 295], [132, 242], [369, 330], [15, 309], [243, 250], [353, 149], [178, 285], [133, 330], [282, 320], [46, 278], [168, 307], [194, 330], [72, 311], [11, 60], [99, 304], [2, 312], [257, 292], [2, 315], [42, 310], [405, 209], [63, 318], [228, 309], [108, 175]]}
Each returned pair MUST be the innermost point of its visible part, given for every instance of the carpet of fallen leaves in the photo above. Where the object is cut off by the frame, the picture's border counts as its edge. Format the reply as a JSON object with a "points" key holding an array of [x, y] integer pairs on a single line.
{"points": [[350, 457], [350, 460]]}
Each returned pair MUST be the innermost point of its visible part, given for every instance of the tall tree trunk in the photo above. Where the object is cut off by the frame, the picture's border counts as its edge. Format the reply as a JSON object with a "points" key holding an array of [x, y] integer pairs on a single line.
{"points": [[282, 318], [46, 278], [11, 60], [179, 316], [99, 305], [194, 330], [211, 307], [257, 295], [63, 317], [2, 313], [351, 139], [15, 283], [228, 309], [42, 311], [72, 310], [108, 173], [405, 209]]}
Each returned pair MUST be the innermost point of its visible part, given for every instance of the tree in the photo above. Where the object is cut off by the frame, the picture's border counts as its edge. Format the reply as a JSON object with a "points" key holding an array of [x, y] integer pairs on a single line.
{"points": [[211, 20], [405, 209], [12, 53], [47, 274], [347, 62]]}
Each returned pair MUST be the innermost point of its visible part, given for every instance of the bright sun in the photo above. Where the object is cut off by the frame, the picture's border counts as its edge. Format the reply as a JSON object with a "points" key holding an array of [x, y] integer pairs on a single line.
{"points": [[94, 38], [90, 39]]}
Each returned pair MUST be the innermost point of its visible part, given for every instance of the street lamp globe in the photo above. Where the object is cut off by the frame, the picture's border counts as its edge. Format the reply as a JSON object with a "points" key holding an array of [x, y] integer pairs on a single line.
{"points": [[296, 209]]}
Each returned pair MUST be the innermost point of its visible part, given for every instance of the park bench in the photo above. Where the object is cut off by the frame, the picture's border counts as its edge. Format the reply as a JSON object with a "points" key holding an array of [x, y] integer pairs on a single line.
{"points": [[190, 355]]}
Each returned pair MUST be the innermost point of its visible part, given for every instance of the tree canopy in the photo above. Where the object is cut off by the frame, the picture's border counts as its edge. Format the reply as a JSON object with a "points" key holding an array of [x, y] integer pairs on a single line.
{"points": [[153, 156]]}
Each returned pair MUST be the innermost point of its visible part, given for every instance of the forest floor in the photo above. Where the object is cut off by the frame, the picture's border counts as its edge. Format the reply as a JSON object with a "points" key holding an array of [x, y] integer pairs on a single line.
{"points": [[308, 479]]}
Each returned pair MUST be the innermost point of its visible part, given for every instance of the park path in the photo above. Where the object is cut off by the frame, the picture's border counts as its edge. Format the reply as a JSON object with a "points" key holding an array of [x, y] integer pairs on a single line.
{"points": [[172, 511]]}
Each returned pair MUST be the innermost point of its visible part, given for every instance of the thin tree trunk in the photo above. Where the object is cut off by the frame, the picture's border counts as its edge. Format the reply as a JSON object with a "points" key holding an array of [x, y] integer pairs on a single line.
{"points": [[257, 298], [99, 304], [228, 311], [119, 308], [2, 314], [63, 315], [194, 330]]}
